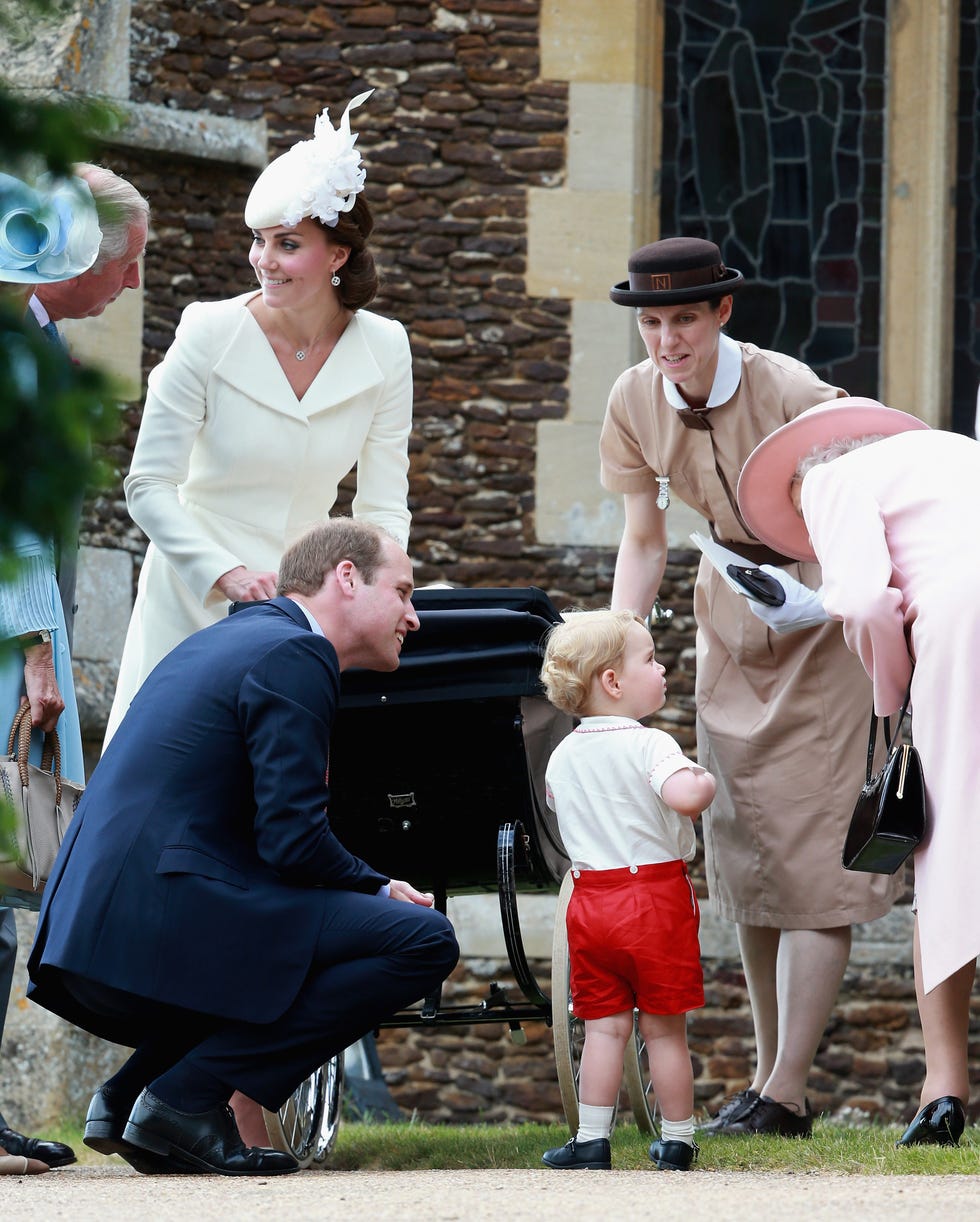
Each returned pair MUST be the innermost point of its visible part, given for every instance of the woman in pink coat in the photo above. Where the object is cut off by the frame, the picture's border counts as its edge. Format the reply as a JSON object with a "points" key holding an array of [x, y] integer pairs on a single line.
{"points": [[893, 526]]}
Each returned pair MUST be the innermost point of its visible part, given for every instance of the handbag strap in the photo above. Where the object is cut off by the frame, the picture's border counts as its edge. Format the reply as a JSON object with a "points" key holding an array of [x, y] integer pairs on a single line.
{"points": [[890, 739], [20, 737]]}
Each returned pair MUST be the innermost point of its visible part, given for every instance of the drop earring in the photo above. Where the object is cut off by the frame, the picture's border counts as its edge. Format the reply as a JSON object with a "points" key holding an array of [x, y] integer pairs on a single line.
{"points": [[335, 279]]}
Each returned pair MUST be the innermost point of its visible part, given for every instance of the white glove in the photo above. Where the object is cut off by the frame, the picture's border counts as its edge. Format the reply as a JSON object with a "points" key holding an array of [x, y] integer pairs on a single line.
{"points": [[803, 607]]}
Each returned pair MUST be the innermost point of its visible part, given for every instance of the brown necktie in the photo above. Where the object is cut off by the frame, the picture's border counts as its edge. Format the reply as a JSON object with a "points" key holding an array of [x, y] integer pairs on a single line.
{"points": [[695, 418]]}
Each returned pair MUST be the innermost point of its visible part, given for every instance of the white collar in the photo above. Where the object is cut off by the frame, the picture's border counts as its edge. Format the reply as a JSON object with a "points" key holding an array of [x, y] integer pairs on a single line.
{"points": [[38, 310], [588, 725], [728, 374], [306, 611]]}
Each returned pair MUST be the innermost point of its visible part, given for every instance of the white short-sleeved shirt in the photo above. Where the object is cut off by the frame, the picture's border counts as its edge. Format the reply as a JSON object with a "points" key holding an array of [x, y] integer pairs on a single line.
{"points": [[604, 782]]}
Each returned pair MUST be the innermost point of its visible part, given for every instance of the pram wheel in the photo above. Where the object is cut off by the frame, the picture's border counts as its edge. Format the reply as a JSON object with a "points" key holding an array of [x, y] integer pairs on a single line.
{"points": [[307, 1124], [568, 1031]]}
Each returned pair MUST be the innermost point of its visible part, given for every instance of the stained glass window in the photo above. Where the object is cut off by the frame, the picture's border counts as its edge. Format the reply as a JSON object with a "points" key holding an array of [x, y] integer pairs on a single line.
{"points": [[773, 147]]}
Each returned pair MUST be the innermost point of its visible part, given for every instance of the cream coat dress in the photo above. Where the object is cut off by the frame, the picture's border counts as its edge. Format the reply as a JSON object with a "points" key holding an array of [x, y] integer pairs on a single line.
{"points": [[230, 467], [782, 720], [894, 524]]}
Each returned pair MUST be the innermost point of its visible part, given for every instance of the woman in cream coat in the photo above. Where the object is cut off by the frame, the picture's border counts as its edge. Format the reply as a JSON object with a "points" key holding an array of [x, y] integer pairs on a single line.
{"points": [[264, 403]]}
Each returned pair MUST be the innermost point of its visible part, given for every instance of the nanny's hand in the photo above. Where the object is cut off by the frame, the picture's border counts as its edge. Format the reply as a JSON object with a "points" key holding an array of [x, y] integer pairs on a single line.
{"points": [[397, 890], [242, 585], [803, 607]]}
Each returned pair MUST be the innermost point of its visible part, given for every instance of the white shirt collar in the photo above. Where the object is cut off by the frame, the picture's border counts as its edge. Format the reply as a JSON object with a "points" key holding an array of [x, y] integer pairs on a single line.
{"points": [[39, 312], [589, 725], [728, 374], [306, 611]]}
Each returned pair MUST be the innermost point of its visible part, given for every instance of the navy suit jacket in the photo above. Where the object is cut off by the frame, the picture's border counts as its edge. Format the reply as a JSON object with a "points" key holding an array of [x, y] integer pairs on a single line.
{"points": [[193, 871]]}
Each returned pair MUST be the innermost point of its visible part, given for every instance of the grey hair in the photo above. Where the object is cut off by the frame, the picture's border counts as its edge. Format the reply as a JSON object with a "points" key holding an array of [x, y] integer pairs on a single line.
{"points": [[827, 451], [119, 206]]}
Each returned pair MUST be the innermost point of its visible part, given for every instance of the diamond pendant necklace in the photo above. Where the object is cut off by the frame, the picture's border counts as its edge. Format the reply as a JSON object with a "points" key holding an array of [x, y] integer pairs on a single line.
{"points": [[300, 353]]}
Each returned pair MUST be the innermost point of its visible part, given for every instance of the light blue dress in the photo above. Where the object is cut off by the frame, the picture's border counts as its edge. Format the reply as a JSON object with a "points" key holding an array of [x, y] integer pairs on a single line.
{"points": [[30, 601]]}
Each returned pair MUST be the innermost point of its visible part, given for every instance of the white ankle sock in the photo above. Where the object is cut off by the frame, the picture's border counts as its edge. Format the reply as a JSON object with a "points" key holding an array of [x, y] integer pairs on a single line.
{"points": [[678, 1130], [595, 1122]]}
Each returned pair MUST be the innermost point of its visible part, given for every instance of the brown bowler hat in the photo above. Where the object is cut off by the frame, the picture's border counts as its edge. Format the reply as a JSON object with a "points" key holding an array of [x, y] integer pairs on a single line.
{"points": [[675, 271]]}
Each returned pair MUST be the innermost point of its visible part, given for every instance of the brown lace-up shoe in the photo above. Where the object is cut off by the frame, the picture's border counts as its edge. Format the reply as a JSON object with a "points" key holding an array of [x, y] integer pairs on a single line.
{"points": [[768, 1116], [735, 1107]]}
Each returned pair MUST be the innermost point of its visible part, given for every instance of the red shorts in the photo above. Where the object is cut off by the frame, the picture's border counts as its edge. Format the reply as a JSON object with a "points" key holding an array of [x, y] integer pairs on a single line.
{"points": [[633, 941]]}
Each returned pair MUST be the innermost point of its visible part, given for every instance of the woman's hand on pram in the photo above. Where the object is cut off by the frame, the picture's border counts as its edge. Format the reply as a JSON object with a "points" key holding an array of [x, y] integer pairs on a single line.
{"points": [[398, 890]]}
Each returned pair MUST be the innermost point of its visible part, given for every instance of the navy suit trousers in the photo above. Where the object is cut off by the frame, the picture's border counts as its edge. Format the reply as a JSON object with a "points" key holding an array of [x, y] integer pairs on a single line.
{"points": [[374, 956]]}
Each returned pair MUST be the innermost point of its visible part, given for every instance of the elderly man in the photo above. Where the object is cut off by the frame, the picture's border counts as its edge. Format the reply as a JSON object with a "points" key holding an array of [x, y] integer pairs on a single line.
{"points": [[123, 218], [201, 910]]}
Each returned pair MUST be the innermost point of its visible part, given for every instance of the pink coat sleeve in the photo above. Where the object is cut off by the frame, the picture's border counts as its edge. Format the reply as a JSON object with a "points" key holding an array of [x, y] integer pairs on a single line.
{"points": [[848, 535]]}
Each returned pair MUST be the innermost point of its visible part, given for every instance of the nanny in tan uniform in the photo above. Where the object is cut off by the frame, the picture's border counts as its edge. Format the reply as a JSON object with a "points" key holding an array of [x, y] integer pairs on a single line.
{"points": [[782, 716]]}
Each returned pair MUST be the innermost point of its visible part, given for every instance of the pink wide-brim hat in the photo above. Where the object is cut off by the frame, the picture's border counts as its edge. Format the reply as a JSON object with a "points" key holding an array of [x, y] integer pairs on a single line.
{"points": [[763, 487]]}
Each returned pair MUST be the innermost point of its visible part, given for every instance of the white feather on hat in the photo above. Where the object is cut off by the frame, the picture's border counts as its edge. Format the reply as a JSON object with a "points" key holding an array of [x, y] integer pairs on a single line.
{"points": [[319, 177]]}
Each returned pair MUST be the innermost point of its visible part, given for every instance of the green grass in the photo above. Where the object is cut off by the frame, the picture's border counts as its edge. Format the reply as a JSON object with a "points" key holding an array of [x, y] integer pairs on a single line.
{"points": [[417, 1147]]}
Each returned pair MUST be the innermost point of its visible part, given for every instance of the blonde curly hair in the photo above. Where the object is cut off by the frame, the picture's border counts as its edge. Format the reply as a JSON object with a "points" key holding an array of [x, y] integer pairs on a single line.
{"points": [[580, 649]]}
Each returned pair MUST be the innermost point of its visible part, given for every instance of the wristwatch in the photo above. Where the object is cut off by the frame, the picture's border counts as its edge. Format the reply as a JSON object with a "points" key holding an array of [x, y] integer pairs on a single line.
{"points": [[41, 637]]}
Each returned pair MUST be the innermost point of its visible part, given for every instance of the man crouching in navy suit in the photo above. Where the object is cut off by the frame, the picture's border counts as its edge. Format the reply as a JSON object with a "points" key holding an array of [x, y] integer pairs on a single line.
{"points": [[201, 910]]}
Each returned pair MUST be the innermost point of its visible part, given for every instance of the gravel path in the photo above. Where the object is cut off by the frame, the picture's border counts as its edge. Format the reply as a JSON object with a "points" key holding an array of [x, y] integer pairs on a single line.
{"points": [[111, 1194]]}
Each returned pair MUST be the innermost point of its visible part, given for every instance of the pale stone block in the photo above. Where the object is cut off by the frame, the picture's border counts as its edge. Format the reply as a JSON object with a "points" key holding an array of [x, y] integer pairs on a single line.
{"points": [[584, 41], [603, 137], [565, 259], [572, 506], [112, 340], [79, 46], [104, 595], [605, 341], [476, 919]]}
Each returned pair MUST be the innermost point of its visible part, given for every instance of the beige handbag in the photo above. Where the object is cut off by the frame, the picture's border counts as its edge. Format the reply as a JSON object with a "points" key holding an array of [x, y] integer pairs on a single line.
{"points": [[37, 807]]}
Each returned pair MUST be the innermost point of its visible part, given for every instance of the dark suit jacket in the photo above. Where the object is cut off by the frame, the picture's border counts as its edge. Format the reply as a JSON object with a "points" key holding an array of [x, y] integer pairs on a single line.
{"points": [[192, 873]]}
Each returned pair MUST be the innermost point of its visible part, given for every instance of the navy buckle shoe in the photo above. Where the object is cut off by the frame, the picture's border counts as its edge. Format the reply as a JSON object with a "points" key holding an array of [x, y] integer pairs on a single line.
{"points": [[580, 1156], [939, 1123], [674, 1155]]}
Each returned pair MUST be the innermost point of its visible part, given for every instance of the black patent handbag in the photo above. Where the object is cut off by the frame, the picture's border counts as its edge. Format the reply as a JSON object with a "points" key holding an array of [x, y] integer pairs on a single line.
{"points": [[889, 819]]}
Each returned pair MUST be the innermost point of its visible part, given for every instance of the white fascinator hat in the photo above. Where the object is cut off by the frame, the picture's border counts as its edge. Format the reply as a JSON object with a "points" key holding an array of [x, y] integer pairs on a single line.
{"points": [[319, 177], [48, 231]]}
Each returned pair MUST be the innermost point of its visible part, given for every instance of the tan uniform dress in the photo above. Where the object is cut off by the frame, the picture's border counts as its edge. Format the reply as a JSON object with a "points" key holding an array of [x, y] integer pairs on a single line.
{"points": [[782, 720]]}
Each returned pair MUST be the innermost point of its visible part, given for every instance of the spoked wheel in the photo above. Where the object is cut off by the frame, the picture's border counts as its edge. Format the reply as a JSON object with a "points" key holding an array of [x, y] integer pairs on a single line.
{"points": [[307, 1124], [568, 1031], [636, 1075]]}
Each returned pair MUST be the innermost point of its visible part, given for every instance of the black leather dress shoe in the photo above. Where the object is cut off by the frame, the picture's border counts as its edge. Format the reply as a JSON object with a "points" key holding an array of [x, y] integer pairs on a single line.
{"points": [[580, 1156], [674, 1155], [54, 1153], [768, 1116], [939, 1123], [104, 1126], [736, 1107], [199, 1142]]}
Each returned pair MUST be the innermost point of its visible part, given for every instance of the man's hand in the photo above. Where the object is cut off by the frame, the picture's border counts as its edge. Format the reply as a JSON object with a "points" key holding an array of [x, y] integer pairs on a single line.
{"points": [[397, 890], [42, 686], [803, 607]]}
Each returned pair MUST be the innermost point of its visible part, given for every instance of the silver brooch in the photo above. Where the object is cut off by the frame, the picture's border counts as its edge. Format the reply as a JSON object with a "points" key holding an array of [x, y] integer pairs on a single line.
{"points": [[663, 496]]}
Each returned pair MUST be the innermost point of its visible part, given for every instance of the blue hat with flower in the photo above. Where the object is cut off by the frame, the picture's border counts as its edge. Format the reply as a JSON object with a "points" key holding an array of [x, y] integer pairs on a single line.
{"points": [[49, 231]]}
